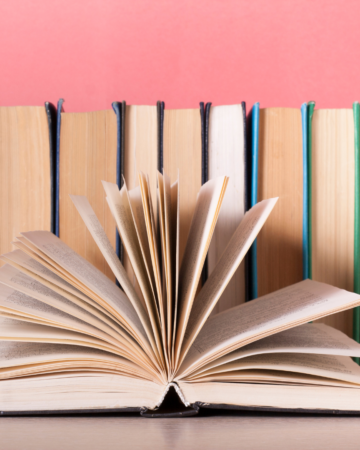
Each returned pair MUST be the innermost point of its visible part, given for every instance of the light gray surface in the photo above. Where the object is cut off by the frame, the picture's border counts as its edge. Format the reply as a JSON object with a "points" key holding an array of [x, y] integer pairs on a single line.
{"points": [[223, 432]]}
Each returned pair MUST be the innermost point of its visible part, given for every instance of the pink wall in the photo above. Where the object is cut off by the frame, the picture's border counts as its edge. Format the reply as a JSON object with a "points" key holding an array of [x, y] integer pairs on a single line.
{"points": [[278, 52]]}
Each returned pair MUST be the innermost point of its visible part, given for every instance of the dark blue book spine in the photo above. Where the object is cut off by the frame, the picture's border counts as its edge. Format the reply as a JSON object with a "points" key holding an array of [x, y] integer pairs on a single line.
{"points": [[57, 170]]}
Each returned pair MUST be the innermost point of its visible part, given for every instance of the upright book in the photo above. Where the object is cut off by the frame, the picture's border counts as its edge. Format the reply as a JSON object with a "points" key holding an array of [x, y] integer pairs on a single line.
{"points": [[333, 202], [87, 152], [225, 141], [72, 340], [278, 166], [27, 170]]}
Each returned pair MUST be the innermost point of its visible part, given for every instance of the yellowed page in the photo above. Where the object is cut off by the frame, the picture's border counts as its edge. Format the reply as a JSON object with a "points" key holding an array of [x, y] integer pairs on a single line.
{"points": [[134, 196], [243, 324], [222, 273], [151, 233], [22, 260], [202, 227], [87, 274], [175, 234], [169, 266], [140, 154], [309, 338], [19, 330], [164, 255], [328, 366], [333, 191], [93, 225], [24, 354], [120, 207], [17, 280], [25, 191], [21, 304]]}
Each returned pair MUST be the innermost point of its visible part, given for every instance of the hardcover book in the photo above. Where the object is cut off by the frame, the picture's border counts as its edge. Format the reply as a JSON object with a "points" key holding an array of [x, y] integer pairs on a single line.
{"points": [[27, 170], [73, 340]]}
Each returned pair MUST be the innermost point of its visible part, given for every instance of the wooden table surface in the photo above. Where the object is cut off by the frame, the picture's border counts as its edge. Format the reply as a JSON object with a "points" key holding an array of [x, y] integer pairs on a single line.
{"points": [[225, 431]]}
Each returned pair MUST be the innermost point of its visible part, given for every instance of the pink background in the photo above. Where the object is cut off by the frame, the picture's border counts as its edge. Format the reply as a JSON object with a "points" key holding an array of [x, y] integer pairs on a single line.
{"points": [[278, 52]]}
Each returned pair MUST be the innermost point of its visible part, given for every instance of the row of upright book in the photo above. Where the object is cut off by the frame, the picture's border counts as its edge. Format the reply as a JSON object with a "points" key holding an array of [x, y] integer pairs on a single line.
{"points": [[307, 157]]}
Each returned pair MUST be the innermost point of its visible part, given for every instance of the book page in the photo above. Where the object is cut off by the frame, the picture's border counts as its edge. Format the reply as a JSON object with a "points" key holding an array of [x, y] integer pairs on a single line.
{"points": [[121, 209], [163, 255], [93, 225], [22, 260], [202, 227], [19, 330], [32, 268], [34, 358], [17, 280], [44, 266], [328, 366], [169, 251], [134, 196], [175, 237], [23, 306], [243, 324], [230, 260], [95, 280], [308, 338], [153, 244]]}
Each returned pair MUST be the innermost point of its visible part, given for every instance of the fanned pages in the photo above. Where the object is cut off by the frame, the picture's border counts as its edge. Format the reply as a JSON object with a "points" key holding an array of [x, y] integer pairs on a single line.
{"points": [[72, 339]]}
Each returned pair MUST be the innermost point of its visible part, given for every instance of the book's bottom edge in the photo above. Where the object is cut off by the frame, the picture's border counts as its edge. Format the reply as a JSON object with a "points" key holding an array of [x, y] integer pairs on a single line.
{"points": [[192, 410]]}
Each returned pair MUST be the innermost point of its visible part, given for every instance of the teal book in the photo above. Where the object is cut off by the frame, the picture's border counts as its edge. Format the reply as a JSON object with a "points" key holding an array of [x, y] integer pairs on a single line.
{"points": [[279, 256]]}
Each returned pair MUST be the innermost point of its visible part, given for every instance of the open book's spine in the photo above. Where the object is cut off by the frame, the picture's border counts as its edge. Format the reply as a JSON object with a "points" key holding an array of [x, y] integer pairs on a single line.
{"points": [[306, 254], [119, 109], [51, 117], [255, 122], [57, 170], [205, 118], [356, 311]]}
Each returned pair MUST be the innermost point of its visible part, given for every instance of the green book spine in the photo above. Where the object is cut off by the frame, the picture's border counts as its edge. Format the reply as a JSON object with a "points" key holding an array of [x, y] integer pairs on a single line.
{"points": [[310, 112], [356, 312]]}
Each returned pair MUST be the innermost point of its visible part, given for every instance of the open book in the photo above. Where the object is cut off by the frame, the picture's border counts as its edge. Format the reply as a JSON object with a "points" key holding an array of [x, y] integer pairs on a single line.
{"points": [[72, 340]]}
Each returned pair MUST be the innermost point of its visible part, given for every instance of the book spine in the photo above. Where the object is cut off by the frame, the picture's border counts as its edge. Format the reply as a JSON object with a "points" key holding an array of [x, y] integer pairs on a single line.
{"points": [[51, 117], [160, 135], [356, 311], [160, 106], [57, 170], [255, 121], [304, 124], [119, 109], [310, 113], [246, 193], [205, 118]]}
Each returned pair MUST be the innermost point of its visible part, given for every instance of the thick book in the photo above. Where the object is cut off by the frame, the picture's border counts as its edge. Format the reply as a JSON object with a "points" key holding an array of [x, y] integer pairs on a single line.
{"points": [[27, 170], [72, 340], [87, 152], [277, 169], [225, 140], [333, 202]]}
